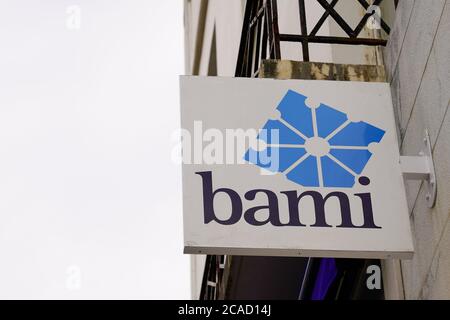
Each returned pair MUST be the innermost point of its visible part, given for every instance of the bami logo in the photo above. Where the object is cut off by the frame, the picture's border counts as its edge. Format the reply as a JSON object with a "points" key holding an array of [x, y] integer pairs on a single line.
{"points": [[318, 146], [315, 146]]}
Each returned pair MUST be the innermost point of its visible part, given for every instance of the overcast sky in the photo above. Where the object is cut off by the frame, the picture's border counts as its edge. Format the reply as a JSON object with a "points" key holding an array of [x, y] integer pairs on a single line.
{"points": [[90, 203]]}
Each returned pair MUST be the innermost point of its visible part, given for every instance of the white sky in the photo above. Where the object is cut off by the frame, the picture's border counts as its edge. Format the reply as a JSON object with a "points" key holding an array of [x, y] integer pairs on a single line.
{"points": [[90, 203]]}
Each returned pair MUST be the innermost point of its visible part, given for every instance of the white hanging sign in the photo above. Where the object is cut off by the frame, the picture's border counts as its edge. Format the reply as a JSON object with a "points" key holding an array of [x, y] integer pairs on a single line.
{"points": [[292, 168]]}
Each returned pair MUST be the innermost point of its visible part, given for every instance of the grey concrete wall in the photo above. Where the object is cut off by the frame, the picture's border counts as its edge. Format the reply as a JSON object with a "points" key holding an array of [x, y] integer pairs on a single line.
{"points": [[417, 62]]}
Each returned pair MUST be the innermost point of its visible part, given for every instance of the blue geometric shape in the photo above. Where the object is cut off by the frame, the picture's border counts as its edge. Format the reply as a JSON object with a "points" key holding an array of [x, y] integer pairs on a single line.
{"points": [[353, 158], [295, 112], [285, 135], [306, 173], [273, 158], [328, 120], [334, 175], [358, 134]]}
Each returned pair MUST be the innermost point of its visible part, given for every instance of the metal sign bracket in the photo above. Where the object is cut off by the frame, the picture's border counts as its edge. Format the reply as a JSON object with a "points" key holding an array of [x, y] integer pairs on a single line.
{"points": [[421, 167]]}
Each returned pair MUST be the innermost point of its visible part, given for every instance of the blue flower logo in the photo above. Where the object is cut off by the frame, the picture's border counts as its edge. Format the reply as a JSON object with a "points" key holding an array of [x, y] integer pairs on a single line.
{"points": [[315, 147]]}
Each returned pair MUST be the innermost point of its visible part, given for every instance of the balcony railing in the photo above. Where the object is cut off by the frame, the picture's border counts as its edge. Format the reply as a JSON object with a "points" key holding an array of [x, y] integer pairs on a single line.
{"points": [[261, 37]]}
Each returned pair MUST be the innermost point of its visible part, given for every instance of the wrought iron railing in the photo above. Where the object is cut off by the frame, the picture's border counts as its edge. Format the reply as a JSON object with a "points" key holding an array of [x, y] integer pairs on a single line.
{"points": [[212, 277], [261, 37]]}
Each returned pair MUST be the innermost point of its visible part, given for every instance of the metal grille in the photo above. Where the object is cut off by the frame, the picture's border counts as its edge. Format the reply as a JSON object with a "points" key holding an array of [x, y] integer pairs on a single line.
{"points": [[261, 37], [212, 277]]}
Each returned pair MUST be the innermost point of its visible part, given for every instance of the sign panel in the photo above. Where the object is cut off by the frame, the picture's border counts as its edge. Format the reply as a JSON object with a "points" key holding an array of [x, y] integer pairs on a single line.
{"points": [[291, 168]]}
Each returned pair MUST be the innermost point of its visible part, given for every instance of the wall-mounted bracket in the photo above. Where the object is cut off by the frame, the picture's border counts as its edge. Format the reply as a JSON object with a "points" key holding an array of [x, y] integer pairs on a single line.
{"points": [[421, 167]]}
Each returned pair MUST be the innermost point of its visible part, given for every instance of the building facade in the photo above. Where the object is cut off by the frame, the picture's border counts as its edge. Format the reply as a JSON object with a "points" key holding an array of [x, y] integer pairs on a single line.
{"points": [[409, 47]]}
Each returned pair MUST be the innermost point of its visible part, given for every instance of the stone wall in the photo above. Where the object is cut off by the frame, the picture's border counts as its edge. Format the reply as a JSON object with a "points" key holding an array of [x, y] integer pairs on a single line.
{"points": [[288, 69], [417, 62]]}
